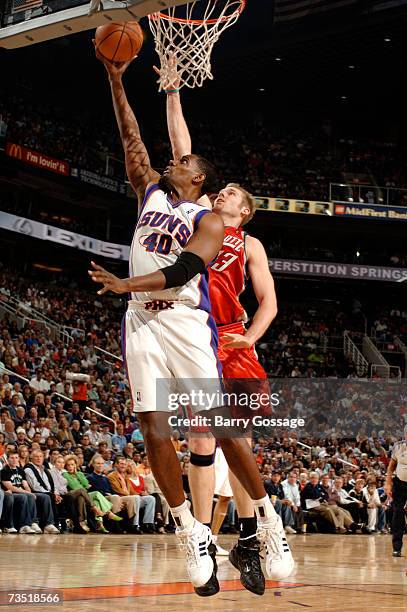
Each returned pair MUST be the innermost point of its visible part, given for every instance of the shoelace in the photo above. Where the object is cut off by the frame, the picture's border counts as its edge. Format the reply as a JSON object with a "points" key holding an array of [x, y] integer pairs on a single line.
{"points": [[191, 546], [270, 541]]}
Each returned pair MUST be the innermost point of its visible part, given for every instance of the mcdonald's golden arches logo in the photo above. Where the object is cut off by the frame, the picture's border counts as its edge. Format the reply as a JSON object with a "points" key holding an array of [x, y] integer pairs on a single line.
{"points": [[14, 150]]}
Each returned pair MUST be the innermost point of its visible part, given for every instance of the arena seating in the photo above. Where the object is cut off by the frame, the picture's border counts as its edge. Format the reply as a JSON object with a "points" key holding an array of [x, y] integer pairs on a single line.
{"points": [[295, 351], [316, 158]]}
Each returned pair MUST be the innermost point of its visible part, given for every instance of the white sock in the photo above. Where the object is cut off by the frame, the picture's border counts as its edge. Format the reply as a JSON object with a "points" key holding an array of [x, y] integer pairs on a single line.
{"points": [[264, 509], [182, 516]]}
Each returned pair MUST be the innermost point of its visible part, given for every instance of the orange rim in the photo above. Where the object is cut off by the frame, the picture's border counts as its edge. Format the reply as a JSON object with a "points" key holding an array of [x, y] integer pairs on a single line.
{"points": [[157, 16]]}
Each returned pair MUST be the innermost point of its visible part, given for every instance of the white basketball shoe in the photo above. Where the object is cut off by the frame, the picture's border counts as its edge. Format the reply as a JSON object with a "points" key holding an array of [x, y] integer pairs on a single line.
{"points": [[279, 560], [195, 542]]}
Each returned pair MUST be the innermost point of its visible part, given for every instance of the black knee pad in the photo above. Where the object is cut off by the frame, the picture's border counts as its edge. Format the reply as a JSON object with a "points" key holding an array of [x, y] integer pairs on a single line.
{"points": [[202, 460]]}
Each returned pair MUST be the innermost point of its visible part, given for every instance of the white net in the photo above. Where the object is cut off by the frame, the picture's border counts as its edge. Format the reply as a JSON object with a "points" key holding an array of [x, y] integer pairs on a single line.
{"points": [[189, 33]]}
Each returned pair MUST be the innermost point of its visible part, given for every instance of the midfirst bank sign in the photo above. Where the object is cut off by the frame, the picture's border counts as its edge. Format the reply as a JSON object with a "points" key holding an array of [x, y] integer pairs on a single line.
{"points": [[371, 211]]}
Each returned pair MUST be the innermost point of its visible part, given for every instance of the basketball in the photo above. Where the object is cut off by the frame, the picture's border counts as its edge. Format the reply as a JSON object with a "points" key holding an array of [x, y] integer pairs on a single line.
{"points": [[119, 42]]}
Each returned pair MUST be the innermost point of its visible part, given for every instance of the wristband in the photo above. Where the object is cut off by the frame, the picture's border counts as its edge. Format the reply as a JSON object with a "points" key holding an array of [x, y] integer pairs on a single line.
{"points": [[186, 267], [172, 91]]}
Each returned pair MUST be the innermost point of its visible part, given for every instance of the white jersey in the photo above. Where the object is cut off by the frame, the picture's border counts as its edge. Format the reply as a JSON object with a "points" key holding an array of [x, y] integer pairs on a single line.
{"points": [[399, 454], [162, 232]]}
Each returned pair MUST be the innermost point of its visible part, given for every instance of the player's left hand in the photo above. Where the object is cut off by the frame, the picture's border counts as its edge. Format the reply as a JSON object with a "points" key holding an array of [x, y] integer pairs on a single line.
{"points": [[110, 281], [237, 341]]}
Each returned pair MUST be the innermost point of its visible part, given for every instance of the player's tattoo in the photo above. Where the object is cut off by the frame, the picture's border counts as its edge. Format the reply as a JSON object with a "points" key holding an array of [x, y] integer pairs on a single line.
{"points": [[138, 165]]}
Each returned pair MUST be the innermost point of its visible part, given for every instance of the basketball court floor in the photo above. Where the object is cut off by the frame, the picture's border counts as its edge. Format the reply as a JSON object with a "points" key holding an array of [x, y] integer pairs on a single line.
{"points": [[120, 572]]}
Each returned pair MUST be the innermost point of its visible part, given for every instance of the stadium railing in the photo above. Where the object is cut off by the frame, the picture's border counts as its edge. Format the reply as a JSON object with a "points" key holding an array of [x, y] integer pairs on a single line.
{"points": [[351, 350], [367, 194]]}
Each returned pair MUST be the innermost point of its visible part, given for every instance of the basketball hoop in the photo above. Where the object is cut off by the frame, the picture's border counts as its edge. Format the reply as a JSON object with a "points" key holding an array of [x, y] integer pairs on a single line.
{"points": [[189, 33]]}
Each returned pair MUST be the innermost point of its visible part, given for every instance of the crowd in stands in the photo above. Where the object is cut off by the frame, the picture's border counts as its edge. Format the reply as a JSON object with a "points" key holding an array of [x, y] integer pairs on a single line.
{"points": [[72, 453], [314, 160], [352, 252], [63, 471], [299, 343]]}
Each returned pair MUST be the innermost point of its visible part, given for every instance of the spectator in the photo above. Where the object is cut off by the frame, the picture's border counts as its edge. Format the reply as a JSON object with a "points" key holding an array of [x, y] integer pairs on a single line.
{"points": [[75, 415], [163, 515], [282, 506], [314, 498], [38, 383], [77, 480], [23, 456], [106, 435], [128, 451], [94, 433], [6, 512], [22, 437], [9, 433], [121, 486], [334, 497], [373, 502], [43, 429], [144, 467], [40, 482], [137, 438], [20, 416], [137, 486], [128, 428], [99, 482], [359, 511], [292, 493], [76, 432], [64, 432], [119, 440], [76, 502], [24, 509], [87, 450]]}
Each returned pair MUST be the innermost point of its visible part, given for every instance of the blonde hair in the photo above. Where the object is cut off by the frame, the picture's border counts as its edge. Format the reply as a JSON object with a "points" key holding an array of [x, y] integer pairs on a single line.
{"points": [[92, 461], [71, 458], [248, 200]]}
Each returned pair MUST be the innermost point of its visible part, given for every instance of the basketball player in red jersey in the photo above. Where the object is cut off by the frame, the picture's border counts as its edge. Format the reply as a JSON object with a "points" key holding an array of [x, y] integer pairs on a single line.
{"points": [[241, 253]]}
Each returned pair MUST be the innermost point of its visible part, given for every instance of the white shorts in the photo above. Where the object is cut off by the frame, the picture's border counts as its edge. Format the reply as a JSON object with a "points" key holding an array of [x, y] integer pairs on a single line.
{"points": [[222, 484], [172, 351]]}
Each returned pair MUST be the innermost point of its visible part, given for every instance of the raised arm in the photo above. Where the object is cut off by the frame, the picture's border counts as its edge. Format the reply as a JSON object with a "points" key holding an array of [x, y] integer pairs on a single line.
{"points": [[177, 127], [203, 247], [138, 167], [178, 131]]}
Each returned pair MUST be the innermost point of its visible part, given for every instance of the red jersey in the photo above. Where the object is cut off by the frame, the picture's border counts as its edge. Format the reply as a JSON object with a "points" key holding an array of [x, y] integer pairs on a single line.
{"points": [[227, 278]]}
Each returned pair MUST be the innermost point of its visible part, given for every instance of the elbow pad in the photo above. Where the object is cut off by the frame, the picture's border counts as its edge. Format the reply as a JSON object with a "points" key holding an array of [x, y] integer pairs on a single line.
{"points": [[186, 267]]}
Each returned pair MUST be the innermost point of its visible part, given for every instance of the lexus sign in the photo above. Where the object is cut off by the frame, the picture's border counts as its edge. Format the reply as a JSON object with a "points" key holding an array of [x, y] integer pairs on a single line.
{"points": [[63, 236], [23, 226]]}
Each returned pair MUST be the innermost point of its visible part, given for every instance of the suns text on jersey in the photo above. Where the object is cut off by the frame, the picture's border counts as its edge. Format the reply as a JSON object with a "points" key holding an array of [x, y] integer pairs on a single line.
{"points": [[166, 223]]}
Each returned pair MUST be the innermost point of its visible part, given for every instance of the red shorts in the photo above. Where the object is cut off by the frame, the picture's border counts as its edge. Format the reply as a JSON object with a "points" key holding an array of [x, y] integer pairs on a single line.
{"points": [[237, 365]]}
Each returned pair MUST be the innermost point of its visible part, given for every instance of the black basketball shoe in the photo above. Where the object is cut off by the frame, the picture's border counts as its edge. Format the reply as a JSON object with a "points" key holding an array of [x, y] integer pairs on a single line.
{"points": [[245, 557], [212, 586]]}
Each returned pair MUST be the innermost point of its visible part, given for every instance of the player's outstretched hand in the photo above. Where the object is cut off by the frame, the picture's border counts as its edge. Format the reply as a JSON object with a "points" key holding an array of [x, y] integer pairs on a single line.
{"points": [[114, 69], [109, 281], [236, 341], [169, 77]]}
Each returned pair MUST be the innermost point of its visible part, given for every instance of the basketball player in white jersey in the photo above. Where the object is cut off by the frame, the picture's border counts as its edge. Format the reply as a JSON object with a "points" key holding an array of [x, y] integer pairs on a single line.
{"points": [[168, 332], [226, 281]]}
